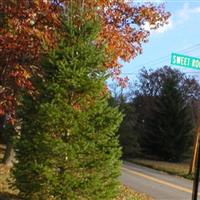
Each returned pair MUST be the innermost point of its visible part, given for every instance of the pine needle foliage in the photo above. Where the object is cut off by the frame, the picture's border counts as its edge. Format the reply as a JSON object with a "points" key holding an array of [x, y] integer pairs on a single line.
{"points": [[68, 147]]}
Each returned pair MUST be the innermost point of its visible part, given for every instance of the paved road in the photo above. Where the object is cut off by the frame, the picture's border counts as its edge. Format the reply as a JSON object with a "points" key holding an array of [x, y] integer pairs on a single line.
{"points": [[158, 185]]}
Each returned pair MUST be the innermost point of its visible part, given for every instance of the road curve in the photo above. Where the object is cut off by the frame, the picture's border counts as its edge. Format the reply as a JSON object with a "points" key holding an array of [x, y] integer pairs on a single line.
{"points": [[158, 185]]}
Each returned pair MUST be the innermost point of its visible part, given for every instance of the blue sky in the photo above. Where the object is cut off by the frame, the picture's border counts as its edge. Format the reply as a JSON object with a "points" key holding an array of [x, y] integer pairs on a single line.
{"points": [[181, 35]]}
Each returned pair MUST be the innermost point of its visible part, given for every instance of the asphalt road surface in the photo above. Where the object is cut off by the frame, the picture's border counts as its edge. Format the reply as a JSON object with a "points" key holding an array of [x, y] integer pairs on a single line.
{"points": [[158, 185]]}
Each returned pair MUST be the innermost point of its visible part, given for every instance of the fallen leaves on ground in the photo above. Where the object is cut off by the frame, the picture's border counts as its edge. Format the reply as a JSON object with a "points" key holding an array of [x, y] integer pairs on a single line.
{"points": [[128, 194]]}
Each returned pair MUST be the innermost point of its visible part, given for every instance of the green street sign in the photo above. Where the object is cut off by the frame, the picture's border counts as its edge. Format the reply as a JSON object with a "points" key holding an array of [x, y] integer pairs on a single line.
{"points": [[185, 61]]}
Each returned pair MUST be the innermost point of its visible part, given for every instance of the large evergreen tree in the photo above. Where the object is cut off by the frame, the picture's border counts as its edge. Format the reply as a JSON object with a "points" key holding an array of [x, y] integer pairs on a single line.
{"points": [[68, 147], [169, 129]]}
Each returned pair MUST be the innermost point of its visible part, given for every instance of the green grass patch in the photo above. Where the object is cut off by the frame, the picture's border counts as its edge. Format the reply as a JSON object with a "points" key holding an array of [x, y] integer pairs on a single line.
{"points": [[179, 169]]}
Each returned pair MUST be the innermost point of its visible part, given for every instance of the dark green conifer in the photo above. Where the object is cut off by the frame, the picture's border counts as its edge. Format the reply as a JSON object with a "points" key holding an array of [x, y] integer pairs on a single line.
{"points": [[169, 130]]}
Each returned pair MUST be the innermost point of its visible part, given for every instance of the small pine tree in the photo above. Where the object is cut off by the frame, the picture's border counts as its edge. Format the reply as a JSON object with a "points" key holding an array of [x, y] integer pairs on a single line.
{"points": [[68, 149], [169, 130]]}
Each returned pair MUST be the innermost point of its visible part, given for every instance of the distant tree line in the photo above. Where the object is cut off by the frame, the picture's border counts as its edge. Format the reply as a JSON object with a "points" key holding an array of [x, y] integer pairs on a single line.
{"points": [[160, 115]]}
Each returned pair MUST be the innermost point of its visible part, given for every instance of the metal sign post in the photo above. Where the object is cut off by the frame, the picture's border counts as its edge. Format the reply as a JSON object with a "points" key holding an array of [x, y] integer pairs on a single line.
{"points": [[196, 177]]}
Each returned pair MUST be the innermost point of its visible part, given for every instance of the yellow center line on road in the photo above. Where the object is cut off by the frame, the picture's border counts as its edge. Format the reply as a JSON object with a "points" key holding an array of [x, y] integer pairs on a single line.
{"points": [[159, 181]]}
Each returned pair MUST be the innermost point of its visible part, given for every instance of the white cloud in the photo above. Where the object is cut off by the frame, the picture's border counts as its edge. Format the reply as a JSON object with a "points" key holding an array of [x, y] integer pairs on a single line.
{"points": [[197, 10], [186, 12], [161, 29], [166, 27], [146, 26], [150, 1], [183, 13], [181, 16]]}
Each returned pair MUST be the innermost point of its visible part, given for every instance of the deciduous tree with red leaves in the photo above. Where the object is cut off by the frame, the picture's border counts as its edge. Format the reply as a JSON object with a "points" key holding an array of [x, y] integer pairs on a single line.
{"points": [[29, 28], [26, 31], [26, 27]]}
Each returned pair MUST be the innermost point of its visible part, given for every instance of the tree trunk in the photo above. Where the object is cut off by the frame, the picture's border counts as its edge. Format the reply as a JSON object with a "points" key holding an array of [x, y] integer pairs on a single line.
{"points": [[9, 155], [194, 155]]}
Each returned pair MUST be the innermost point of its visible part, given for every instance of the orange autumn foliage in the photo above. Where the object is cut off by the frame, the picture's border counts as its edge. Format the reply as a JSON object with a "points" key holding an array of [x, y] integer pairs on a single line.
{"points": [[27, 29], [25, 26], [123, 25]]}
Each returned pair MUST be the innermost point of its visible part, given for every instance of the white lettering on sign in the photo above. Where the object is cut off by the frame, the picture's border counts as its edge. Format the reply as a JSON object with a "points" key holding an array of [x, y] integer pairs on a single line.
{"points": [[174, 59], [181, 60], [196, 63], [185, 61], [178, 60]]}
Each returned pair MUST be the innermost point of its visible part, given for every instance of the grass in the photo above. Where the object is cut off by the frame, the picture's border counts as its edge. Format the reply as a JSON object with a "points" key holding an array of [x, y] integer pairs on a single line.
{"points": [[179, 169], [128, 194], [7, 193]]}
